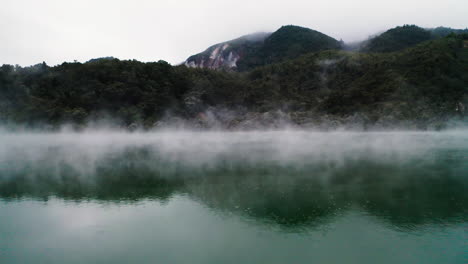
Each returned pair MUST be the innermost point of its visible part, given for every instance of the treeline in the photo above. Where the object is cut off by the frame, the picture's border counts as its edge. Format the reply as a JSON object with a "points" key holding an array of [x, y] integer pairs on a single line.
{"points": [[405, 36], [420, 84], [130, 91], [288, 42]]}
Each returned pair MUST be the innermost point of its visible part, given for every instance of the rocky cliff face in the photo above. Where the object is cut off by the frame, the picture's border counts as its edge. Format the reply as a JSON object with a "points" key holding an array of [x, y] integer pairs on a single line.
{"points": [[215, 58], [290, 42], [259, 49], [226, 55]]}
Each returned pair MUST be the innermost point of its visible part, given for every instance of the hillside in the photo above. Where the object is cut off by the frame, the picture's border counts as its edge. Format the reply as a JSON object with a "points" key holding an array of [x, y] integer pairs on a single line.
{"points": [[255, 50], [406, 36], [440, 32], [226, 55], [421, 87], [289, 42], [397, 39]]}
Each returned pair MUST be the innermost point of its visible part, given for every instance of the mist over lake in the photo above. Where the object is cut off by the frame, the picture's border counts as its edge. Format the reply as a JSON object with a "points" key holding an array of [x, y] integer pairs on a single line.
{"points": [[234, 197], [246, 132]]}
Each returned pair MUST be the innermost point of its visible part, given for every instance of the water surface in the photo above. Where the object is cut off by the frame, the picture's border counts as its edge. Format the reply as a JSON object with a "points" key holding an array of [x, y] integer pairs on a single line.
{"points": [[239, 197]]}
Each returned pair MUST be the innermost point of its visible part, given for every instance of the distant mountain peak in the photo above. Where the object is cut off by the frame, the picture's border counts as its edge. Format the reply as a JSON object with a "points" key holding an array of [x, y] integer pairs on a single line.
{"points": [[397, 38], [262, 48], [101, 59], [225, 55]]}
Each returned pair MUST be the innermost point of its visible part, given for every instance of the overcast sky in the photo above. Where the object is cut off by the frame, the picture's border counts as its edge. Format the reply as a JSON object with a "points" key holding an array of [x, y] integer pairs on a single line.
{"points": [[54, 31]]}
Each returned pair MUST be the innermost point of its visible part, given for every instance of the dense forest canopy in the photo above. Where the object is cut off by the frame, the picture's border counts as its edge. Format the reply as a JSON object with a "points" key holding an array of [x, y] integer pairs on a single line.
{"points": [[397, 39], [419, 86], [248, 52], [288, 42]]}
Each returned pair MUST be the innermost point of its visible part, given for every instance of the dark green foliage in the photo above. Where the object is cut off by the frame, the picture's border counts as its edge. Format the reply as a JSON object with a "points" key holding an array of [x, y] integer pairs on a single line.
{"points": [[259, 49], [419, 84], [73, 92], [245, 46], [397, 39], [288, 42], [292, 41], [440, 32]]}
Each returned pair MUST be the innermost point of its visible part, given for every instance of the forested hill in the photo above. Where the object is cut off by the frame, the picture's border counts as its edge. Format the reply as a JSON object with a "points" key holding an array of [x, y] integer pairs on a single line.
{"points": [[290, 42], [399, 38], [259, 49], [421, 87]]}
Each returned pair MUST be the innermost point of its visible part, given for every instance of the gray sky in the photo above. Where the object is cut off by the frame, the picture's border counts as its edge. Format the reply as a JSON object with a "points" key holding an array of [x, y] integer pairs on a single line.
{"points": [[54, 31]]}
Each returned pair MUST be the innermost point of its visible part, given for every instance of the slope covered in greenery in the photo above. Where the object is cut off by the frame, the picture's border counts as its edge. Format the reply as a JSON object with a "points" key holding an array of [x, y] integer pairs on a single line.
{"points": [[74, 92], [440, 32], [226, 54], [288, 42], [259, 49], [420, 87], [397, 39], [419, 84]]}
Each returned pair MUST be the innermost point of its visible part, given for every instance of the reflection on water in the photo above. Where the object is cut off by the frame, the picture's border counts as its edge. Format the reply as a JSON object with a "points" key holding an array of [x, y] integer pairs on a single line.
{"points": [[284, 190]]}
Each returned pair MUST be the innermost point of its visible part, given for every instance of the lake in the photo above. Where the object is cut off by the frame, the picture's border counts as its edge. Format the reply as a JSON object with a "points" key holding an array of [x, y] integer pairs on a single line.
{"points": [[234, 197]]}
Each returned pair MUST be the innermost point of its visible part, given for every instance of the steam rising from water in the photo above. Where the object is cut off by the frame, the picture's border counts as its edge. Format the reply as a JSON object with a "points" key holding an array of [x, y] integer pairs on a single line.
{"points": [[293, 178], [166, 153]]}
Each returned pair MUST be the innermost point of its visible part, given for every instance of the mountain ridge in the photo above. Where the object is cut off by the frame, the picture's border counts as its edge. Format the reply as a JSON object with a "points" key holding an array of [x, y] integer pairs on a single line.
{"points": [[242, 54], [418, 87], [273, 47]]}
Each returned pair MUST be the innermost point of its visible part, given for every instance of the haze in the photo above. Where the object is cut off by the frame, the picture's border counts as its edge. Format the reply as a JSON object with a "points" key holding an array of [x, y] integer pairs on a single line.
{"points": [[55, 31], [167, 153]]}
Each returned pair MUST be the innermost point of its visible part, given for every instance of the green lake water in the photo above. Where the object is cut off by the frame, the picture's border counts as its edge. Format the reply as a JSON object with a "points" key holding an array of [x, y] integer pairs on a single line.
{"points": [[237, 197]]}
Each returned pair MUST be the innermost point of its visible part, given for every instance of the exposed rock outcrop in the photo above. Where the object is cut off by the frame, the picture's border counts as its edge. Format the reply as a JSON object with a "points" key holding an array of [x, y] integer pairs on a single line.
{"points": [[226, 55]]}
